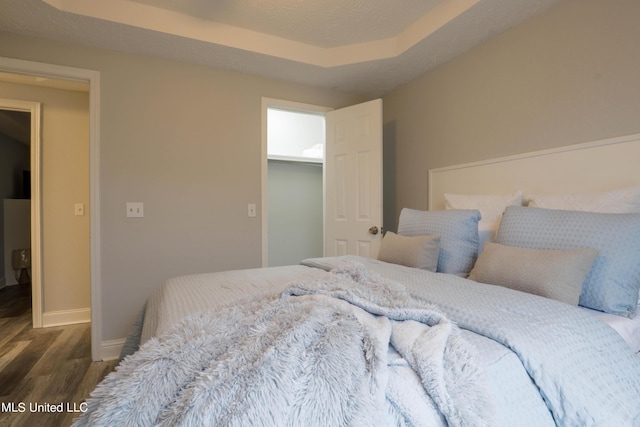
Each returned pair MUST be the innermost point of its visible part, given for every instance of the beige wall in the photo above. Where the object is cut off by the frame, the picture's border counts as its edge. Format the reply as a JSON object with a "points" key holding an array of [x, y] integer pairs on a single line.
{"points": [[186, 141], [567, 76], [65, 181]]}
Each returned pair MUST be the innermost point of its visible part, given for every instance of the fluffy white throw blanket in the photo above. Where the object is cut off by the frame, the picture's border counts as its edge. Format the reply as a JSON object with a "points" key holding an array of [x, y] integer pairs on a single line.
{"points": [[350, 349]]}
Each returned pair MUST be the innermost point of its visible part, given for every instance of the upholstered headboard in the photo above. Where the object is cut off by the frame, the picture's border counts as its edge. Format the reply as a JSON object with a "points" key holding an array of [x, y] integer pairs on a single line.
{"points": [[580, 168]]}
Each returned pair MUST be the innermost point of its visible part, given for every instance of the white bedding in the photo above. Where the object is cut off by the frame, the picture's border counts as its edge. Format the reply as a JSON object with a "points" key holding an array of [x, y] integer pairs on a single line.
{"points": [[629, 329]]}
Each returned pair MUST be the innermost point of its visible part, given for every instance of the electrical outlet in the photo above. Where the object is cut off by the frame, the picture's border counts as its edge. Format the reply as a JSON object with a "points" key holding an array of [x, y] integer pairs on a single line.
{"points": [[135, 210]]}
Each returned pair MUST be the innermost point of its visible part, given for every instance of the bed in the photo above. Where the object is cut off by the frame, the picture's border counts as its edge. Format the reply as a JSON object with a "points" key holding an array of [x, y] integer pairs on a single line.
{"points": [[525, 318]]}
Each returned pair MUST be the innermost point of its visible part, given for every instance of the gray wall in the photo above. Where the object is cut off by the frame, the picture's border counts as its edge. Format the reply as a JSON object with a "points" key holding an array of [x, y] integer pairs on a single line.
{"points": [[186, 141], [568, 76], [295, 212]]}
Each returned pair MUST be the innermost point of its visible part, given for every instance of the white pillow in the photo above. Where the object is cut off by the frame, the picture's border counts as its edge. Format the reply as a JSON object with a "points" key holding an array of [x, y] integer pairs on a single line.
{"points": [[625, 200], [491, 207]]}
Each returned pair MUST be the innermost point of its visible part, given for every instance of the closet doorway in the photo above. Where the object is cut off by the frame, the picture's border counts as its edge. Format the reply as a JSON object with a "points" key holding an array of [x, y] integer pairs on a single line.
{"points": [[351, 180], [295, 137]]}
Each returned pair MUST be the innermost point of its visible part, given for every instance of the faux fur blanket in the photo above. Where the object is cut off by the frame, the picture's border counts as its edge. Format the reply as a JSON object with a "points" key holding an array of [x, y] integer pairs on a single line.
{"points": [[350, 349]]}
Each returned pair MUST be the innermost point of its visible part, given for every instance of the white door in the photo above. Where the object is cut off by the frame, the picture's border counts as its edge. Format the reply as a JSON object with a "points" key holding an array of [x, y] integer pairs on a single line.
{"points": [[353, 180]]}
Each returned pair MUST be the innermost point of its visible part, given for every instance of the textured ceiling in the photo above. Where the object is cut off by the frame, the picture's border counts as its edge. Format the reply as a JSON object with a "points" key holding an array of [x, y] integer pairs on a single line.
{"points": [[361, 46], [326, 23]]}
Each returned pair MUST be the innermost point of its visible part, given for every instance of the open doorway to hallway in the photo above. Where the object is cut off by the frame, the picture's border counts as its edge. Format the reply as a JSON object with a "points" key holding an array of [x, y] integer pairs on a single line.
{"points": [[15, 211], [57, 217]]}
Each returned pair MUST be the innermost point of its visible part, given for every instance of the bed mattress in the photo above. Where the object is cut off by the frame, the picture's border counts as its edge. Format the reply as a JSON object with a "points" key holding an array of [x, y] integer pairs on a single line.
{"points": [[510, 384]]}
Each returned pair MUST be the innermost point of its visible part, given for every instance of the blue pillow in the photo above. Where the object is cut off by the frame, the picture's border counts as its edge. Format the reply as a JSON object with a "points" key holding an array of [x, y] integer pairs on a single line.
{"points": [[458, 230], [613, 282]]}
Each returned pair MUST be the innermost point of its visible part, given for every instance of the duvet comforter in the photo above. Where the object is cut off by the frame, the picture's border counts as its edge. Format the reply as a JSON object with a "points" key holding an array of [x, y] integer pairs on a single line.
{"points": [[353, 341]]}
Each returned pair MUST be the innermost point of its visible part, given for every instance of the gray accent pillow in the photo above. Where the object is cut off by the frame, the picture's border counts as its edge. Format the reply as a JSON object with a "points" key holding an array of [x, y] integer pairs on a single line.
{"points": [[556, 274], [458, 231], [613, 282], [418, 251]]}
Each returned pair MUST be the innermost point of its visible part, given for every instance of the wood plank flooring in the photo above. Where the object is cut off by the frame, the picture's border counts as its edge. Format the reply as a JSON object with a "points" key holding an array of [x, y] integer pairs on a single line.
{"points": [[47, 366]]}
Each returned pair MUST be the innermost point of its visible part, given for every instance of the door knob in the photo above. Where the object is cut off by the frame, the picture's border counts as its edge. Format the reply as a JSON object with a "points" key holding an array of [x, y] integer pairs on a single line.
{"points": [[373, 230]]}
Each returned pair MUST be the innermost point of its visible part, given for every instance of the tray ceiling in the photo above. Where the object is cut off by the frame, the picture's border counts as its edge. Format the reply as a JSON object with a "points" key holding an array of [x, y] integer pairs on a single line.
{"points": [[360, 46]]}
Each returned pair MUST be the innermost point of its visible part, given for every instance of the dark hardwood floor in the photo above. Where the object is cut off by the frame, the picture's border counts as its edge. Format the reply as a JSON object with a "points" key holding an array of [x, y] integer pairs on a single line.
{"points": [[49, 367]]}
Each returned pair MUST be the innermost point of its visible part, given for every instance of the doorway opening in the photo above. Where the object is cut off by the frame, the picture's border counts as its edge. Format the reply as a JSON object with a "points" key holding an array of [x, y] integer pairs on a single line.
{"points": [[43, 73], [293, 140], [295, 159], [15, 211], [21, 202], [351, 180]]}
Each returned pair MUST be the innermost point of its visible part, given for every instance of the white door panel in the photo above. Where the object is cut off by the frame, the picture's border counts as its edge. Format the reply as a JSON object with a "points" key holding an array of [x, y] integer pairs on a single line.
{"points": [[353, 180]]}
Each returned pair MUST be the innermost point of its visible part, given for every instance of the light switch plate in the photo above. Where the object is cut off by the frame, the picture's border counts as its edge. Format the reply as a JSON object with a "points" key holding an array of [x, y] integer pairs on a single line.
{"points": [[78, 209], [135, 209]]}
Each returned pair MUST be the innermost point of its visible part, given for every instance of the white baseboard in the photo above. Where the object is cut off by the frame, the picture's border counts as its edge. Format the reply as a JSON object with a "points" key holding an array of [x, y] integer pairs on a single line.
{"points": [[66, 317], [110, 350]]}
